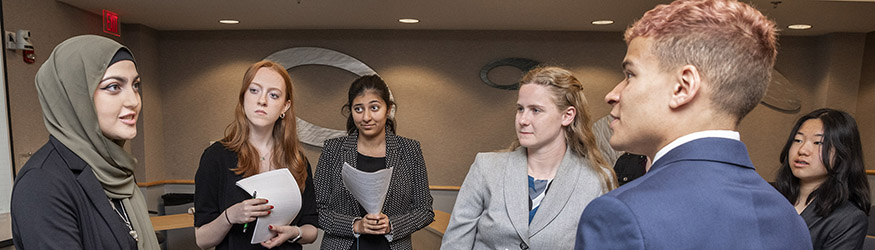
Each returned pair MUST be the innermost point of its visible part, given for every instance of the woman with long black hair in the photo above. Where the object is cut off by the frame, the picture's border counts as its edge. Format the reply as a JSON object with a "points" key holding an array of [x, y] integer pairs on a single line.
{"points": [[372, 145], [823, 176]]}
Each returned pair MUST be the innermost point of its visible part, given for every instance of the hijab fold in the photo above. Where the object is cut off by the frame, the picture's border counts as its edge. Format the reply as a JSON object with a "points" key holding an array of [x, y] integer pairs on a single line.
{"points": [[65, 84]]}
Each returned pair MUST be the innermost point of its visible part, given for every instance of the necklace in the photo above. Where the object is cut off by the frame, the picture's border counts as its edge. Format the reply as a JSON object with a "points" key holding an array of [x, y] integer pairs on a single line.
{"points": [[125, 219], [265, 155]]}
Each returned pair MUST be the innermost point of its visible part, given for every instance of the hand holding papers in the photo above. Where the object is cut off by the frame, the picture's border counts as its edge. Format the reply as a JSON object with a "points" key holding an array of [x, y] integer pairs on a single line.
{"points": [[281, 189], [369, 189]]}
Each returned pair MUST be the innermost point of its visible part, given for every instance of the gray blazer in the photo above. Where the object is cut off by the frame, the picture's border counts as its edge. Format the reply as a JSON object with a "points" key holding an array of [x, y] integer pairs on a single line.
{"points": [[492, 208]]}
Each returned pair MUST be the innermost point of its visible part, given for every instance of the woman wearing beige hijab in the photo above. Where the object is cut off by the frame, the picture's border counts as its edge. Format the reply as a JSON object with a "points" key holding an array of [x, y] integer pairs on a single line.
{"points": [[78, 191]]}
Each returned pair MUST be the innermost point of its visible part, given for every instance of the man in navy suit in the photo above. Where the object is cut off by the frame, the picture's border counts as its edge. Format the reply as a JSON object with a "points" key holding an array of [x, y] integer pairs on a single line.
{"points": [[694, 69]]}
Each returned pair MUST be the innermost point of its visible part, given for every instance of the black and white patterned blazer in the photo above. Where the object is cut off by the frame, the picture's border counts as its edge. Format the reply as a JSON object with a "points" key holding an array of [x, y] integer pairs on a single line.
{"points": [[408, 202]]}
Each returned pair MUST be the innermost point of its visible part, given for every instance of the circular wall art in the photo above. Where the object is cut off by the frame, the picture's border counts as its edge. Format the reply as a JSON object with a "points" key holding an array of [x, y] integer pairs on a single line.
{"points": [[523, 64]]}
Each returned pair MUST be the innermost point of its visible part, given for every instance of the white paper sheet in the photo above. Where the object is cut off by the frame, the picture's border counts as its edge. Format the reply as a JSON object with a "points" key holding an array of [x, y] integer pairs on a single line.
{"points": [[369, 189], [281, 190]]}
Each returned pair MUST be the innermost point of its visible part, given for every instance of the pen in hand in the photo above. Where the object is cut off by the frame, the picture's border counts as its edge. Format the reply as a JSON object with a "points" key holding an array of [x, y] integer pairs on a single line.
{"points": [[247, 223]]}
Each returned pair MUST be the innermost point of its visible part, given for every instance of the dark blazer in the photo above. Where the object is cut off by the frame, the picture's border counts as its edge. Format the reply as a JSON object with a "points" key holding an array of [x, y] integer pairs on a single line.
{"points": [[408, 202], [57, 203], [704, 194], [844, 228]]}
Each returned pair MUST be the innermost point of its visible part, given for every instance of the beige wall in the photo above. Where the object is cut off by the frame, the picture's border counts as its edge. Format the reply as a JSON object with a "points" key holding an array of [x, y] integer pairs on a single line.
{"points": [[866, 102], [841, 58], [50, 23], [825, 72], [143, 42], [434, 76], [191, 79], [442, 101]]}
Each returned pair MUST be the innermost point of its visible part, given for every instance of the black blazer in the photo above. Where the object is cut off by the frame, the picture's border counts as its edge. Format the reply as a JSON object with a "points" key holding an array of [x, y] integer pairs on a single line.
{"points": [[408, 202], [57, 203], [844, 228]]}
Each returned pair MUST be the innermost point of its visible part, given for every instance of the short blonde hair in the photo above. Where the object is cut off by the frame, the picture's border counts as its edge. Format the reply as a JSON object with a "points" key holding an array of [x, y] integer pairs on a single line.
{"points": [[731, 43]]}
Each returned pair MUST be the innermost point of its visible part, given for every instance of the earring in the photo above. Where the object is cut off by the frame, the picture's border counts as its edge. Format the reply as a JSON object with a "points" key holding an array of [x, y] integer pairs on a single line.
{"points": [[283, 115]]}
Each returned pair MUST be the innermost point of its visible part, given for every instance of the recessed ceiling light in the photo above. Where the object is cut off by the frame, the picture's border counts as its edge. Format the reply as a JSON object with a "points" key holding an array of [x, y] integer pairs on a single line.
{"points": [[799, 27], [602, 22], [408, 20], [229, 21]]}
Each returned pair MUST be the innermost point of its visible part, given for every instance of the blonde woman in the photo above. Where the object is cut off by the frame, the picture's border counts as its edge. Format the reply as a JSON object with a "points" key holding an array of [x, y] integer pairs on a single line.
{"points": [[532, 197]]}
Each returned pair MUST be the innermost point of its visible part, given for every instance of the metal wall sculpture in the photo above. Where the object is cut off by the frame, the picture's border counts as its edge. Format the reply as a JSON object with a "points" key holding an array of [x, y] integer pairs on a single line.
{"points": [[523, 64], [781, 94], [309, 133]]}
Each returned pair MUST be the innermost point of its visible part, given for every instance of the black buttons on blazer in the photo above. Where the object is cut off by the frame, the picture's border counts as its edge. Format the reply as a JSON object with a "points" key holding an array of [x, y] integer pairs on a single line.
{"points": [[523, 246]]}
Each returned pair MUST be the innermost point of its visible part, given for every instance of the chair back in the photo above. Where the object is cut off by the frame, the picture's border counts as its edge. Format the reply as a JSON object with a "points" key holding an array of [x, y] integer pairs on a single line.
{"points": [[869, 243], [871, 230]]}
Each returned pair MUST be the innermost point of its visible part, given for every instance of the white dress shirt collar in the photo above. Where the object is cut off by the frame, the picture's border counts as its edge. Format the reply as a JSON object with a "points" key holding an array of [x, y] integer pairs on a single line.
{"points": [[728, 134]]}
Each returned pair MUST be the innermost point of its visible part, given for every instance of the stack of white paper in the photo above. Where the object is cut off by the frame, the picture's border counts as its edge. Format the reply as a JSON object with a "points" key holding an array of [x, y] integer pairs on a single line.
{"points": [[369, 189], [281, 190]]}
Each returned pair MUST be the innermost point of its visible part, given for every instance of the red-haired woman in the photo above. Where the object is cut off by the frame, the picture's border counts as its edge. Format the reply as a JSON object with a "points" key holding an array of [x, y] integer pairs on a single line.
{"points": [[261, 138]]}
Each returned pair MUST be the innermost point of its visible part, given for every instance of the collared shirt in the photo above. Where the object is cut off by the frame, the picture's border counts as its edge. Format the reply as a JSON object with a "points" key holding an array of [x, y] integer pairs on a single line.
{"points": [[728, 134], [537, 192]]}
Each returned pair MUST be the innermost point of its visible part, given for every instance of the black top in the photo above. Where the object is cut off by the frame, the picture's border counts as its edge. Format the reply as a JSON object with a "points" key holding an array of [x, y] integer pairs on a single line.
{"points": [[370, 164], [844, 228], [216, 190], [369, 241], [57, 203], [629, 167]]}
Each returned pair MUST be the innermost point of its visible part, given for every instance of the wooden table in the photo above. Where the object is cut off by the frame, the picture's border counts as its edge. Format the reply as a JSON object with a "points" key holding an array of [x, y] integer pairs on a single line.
{"points": [[173, 221], [441, 221]]}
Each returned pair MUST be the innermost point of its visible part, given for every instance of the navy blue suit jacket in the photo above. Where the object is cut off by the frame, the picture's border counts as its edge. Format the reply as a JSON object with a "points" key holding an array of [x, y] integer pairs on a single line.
{"points": [[704, 194]]}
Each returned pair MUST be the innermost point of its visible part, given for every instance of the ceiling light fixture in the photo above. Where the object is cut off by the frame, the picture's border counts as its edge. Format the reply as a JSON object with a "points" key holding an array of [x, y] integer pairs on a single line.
{"points": [[799, 27], [408, 20], [603, 22], [229, 21]]}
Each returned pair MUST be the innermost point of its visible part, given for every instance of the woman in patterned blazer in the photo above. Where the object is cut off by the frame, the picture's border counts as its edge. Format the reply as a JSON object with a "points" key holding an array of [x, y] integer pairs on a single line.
{"points": [[372, 145]]}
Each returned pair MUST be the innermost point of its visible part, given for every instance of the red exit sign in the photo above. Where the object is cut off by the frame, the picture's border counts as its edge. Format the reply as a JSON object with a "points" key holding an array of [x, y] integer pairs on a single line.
{"points": [[110, 23]]}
